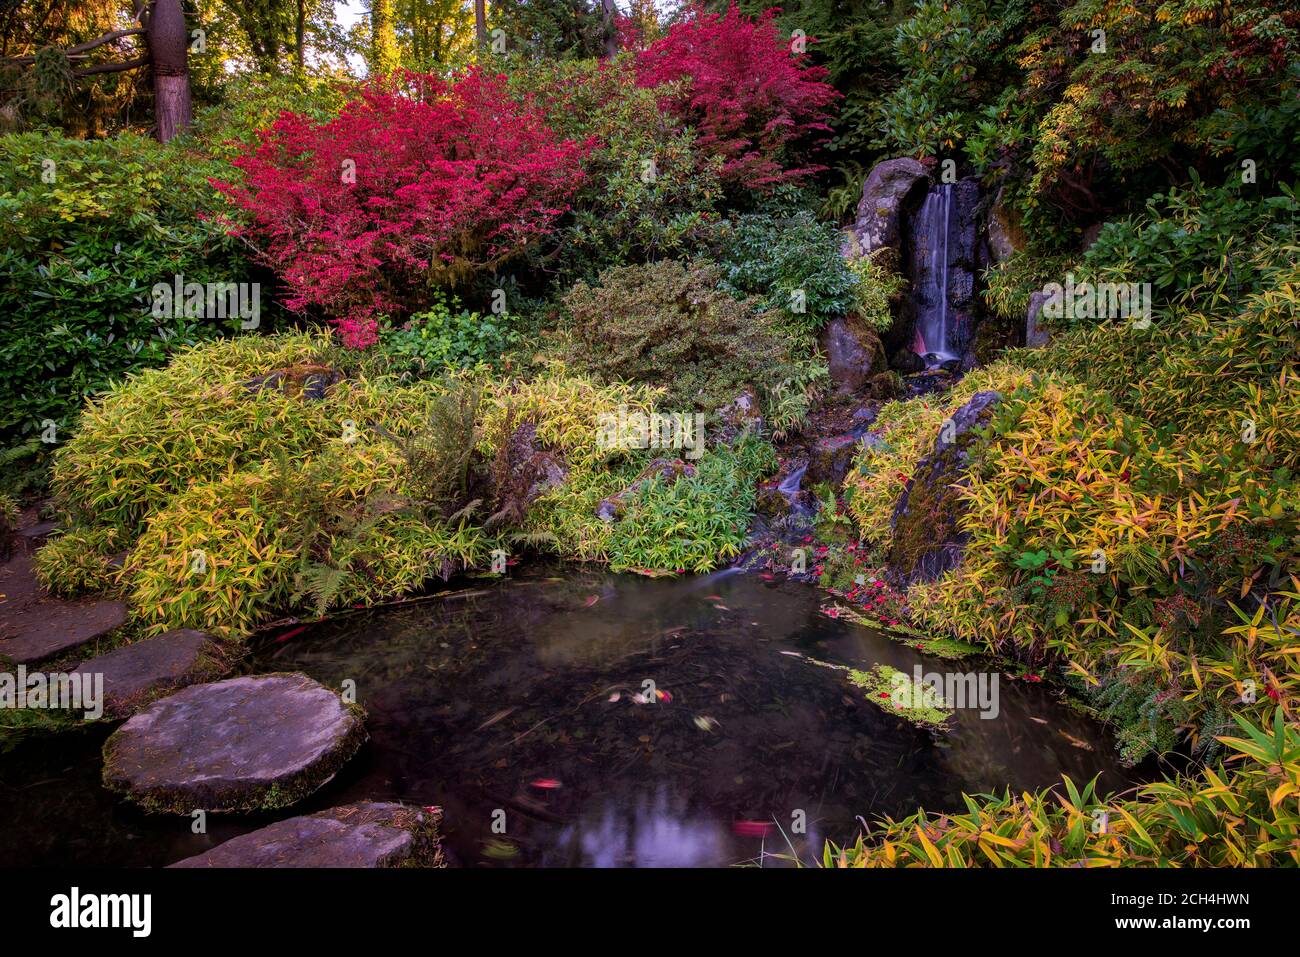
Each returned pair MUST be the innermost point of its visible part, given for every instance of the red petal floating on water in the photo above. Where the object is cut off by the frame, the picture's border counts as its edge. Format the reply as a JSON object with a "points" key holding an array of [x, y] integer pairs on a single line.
{"points": [[591, 600], [713, 598], [752, 828], [289, 634], [546, 784], [664, 695]]}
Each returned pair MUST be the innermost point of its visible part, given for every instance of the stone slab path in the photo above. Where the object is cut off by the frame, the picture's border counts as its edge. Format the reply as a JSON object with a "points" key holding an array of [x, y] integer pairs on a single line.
{"points": [[365, 834], [243, 744]]}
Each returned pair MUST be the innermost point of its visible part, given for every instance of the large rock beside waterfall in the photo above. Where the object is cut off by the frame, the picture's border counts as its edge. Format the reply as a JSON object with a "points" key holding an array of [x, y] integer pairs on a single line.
{"points": [[366, 834], [853, 354], [244, 744], [885, 193], [927, 539]]}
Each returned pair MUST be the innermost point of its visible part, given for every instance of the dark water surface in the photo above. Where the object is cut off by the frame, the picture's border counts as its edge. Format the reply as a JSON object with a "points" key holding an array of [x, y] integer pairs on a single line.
{"points": [[494, 704]]}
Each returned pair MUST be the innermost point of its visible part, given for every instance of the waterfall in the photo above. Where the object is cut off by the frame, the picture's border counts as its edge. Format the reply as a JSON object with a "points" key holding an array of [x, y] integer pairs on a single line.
{"points": [[935, 328]]}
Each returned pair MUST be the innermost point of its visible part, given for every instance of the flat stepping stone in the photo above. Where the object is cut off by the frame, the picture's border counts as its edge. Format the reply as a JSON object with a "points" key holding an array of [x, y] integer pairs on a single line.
{"points": [[136, 674], [48, 629], [365, 834], [244, 744]]}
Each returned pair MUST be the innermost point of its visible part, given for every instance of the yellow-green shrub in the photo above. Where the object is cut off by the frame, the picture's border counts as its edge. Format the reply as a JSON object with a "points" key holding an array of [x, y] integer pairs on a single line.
{"points": [[908, 429], [1245, 816], [75, 562]]}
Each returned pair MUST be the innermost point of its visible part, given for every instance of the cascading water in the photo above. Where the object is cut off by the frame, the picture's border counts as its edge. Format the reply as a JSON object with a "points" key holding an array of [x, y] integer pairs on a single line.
{"points": [[931, 266]]}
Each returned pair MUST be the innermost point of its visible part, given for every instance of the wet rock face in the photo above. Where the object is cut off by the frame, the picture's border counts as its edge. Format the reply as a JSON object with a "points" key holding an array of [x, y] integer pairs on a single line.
{"points": [[888, 188], [1035, 335], [244, 744], [1004, 233], [365, 834], [136, 674], [853, 354], [927, 539]]}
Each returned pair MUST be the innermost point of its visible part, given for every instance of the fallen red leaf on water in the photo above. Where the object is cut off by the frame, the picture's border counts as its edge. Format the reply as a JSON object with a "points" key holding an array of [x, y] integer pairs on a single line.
{"points": [[713, 598], [546, 784], [752, 828], [289, 634], [664, 695], [591, 600]]}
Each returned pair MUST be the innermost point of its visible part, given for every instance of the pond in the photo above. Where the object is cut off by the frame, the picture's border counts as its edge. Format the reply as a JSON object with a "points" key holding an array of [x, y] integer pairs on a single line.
{"points": [[516, 707]]}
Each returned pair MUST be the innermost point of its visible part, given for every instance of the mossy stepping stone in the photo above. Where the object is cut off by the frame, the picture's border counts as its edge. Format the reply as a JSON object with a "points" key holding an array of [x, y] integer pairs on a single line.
{"points": [[244, 744], [136, 674], [366, 834]]}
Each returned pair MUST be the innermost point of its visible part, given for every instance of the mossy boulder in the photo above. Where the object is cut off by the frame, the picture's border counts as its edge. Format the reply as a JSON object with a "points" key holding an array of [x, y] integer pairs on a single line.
{"points": [[853, 353], [245, 744], [927, 539]]}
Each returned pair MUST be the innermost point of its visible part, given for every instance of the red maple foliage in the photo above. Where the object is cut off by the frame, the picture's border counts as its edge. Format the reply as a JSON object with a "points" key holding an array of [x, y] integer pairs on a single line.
{"points": [[419, 181], [750, 95]]}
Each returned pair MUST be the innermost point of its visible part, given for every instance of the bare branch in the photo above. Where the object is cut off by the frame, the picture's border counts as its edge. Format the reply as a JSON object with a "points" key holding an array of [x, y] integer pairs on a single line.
{"points": [[112, 67]]}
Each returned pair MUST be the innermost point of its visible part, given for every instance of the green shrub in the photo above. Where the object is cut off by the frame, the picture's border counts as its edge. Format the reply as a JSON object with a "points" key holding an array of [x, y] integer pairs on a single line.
{"points": [[697, 521], [669, 324], [1188, 238], [444, 336], [792, 261], [648, 194], [876, 286], [1009, 284], [75, 562], [79, 255]]}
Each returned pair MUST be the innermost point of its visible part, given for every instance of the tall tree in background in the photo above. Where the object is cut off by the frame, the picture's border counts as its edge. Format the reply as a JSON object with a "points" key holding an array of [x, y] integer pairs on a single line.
{"points": [[480, 24], [53, 72], [169, 43], [433, 33], [610, 11], [384, 57]]}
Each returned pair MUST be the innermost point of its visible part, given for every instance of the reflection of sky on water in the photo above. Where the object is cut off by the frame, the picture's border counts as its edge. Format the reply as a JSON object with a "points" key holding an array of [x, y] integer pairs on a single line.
{"points": [[475, 697]]}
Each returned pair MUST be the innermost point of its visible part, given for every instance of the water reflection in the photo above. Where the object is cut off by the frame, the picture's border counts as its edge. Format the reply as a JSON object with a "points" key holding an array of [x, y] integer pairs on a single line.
{"points": [[514, 707]]}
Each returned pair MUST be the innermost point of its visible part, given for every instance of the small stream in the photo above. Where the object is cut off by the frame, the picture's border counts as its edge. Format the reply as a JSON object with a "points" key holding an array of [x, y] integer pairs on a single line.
{"points": [[513, 706]]}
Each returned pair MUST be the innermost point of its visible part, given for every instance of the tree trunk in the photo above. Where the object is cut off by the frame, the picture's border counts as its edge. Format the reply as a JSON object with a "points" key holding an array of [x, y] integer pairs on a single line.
{"points": [[300, 34], [169, 56], [611, 32], [480, 23], [383, 38]]}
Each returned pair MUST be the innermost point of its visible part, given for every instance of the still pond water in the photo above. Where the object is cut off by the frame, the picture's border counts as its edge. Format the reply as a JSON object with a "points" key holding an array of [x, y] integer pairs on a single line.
{"points": [[514, 706]]}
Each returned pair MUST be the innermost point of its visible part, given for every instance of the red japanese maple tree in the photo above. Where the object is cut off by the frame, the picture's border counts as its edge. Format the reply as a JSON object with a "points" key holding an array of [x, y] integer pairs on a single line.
{"points": [[750, 95], [418, 181]]}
